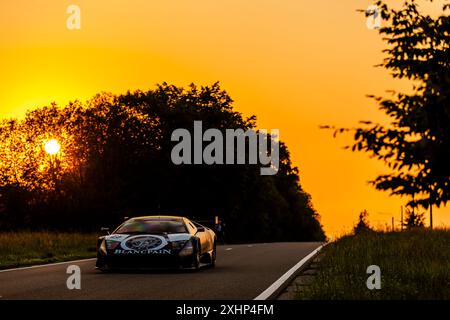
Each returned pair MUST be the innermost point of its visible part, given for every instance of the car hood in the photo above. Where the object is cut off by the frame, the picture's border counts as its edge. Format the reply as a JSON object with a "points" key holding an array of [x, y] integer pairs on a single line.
{"points": [[140, 242]]}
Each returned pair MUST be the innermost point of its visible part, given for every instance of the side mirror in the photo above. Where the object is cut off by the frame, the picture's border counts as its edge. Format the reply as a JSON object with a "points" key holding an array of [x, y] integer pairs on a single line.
{"points": [[104, 229], [200, 229]]}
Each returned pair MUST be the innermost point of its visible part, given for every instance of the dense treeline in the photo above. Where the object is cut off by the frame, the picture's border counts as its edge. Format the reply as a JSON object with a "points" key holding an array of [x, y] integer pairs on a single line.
{"points": [[115, 161]]}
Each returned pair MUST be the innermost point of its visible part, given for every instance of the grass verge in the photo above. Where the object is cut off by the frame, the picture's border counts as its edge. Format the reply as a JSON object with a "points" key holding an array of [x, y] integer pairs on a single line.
{"points": [[414, 265], [19, 249]]}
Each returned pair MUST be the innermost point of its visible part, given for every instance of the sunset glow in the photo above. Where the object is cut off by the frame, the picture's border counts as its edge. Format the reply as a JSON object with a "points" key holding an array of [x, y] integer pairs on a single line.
{"points": [[295, 64], [52, 147]]}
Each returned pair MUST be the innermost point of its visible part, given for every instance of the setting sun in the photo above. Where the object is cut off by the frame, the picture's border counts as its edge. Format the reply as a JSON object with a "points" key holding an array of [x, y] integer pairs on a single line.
{"points": [[52, 147]]}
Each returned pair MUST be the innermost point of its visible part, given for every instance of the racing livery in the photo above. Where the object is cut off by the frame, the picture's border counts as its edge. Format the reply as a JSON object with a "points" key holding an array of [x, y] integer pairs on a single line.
{"points": [[157, 242]]}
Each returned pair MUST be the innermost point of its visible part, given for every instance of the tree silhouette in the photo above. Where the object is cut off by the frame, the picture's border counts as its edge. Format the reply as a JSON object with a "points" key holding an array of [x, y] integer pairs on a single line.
{"points": [[414, 219], [115, 161], [362, 225], [416, 143]]}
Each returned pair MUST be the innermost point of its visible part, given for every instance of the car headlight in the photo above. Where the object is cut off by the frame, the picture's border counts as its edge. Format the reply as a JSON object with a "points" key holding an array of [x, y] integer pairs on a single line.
{"points": [[187, 250], [178, 245], [111, 244]]}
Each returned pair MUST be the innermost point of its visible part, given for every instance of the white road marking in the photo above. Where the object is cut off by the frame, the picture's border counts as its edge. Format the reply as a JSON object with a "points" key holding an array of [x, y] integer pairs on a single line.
{"points": [[46, 265], [250, 246], [270, 291], [228, 249]]}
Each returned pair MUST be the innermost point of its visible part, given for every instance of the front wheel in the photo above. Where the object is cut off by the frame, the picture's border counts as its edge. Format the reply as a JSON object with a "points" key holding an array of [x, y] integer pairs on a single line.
{"points": [[196, 263], [101, 265]]}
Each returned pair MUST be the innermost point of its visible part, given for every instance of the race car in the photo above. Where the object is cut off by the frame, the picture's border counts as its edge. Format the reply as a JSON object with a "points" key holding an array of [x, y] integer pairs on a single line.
{"points": [[157, 242]]}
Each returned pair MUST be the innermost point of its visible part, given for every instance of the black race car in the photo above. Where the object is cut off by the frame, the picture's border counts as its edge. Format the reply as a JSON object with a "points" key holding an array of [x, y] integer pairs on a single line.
{"points": [[157, 242]]}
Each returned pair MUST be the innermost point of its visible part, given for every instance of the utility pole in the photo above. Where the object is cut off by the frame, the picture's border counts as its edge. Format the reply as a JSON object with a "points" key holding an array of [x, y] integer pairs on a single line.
{"points": [[431, 200], [431, 216], [401, 218], [392, 224]]}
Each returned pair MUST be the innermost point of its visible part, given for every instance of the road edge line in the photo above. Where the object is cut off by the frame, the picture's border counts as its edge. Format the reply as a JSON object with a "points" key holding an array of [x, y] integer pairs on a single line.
{"points": [[45, 265], [275, 288]]}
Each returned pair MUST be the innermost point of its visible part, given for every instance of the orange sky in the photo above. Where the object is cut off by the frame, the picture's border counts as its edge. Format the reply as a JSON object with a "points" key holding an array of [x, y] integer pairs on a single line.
{"points": [[296, 64]]}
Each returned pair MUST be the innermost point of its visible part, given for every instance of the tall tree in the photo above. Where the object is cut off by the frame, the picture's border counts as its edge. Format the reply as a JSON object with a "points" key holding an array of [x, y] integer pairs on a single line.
{"points": [[363, 223], [416, 143]]}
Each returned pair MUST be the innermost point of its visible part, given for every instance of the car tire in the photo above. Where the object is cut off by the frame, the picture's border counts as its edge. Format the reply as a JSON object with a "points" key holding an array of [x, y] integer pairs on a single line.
{"points": [[196, 263], [100, 263], [213, 256], [104, 269], [101, 266]]}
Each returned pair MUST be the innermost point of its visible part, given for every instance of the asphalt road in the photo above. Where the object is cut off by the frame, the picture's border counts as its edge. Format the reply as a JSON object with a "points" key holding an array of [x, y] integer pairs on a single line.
{"points": [[242, 272]]}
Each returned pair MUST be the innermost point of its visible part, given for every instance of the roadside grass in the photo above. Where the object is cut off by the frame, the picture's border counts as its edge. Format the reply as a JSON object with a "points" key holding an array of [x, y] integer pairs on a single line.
{"points": [[415, 265], [24, 248]]}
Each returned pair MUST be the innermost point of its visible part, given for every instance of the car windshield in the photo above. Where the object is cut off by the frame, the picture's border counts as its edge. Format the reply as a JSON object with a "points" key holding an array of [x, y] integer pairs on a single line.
{"points": [[152, 226]]}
